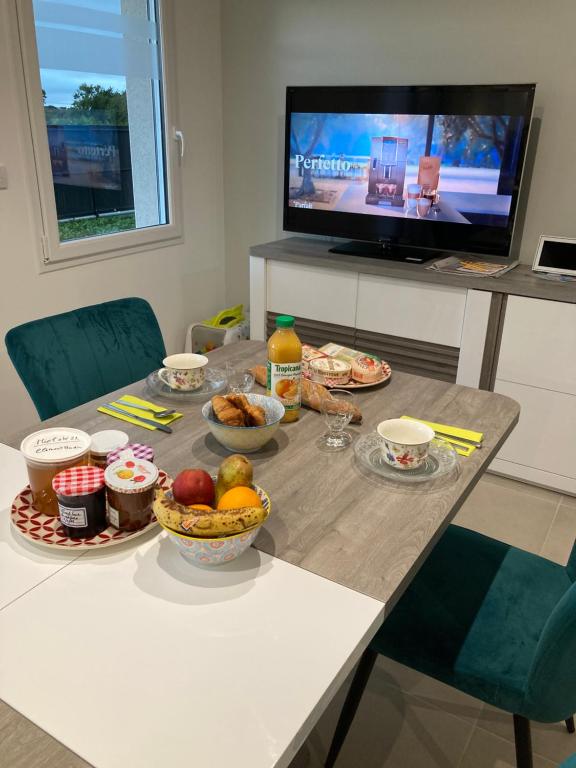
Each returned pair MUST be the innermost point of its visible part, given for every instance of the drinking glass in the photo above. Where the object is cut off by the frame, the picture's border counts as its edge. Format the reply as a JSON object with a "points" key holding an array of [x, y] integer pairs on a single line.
{"points": [[240, 380], [423, 207], [337, 415]]}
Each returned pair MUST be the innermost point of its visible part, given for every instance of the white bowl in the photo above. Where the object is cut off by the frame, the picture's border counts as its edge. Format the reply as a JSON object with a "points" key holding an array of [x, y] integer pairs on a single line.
{"points": [[246, 439]]}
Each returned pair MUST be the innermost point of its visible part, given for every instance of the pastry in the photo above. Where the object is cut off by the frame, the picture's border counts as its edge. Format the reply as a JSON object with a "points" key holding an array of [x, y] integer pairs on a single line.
{"points": [[235, 410], [226, 413]]}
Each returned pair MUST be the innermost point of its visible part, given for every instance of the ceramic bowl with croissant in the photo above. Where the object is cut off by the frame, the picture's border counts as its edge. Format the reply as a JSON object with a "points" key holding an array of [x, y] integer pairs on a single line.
{"points": [[243, 423]]}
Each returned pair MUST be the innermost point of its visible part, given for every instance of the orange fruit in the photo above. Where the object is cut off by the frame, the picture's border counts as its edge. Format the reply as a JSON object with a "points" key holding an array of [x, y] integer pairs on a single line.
{"points": [[203, 507], [239, 497]]}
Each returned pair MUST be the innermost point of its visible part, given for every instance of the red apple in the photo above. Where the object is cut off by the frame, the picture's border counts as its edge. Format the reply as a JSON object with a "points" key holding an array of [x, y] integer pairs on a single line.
{"points": [[193, 486]]}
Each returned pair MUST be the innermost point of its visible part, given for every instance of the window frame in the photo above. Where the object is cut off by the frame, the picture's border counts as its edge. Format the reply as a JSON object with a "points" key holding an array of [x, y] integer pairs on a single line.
{"points": [[55, 254]]}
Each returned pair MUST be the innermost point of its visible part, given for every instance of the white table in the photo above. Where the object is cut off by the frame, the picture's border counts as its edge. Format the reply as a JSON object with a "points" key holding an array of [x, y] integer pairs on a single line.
{"points": [[136, 658], [22, 566]]}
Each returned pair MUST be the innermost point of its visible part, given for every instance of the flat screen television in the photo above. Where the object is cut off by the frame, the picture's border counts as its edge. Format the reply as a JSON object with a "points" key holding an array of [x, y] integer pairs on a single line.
{"points": [[407, 171]]}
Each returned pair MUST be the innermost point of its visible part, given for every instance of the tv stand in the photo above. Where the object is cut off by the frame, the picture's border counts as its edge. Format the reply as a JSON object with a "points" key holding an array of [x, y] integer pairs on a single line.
{"points": [[387, 250]]}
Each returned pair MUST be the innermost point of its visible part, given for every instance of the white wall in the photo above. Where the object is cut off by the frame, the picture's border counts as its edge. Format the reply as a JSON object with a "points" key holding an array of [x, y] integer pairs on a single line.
{"points": [[269, 44], [183, 282]]}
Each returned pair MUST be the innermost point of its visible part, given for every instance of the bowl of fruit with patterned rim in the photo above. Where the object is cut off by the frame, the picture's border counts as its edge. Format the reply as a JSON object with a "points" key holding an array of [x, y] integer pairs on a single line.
{"points": [[213, 520]]}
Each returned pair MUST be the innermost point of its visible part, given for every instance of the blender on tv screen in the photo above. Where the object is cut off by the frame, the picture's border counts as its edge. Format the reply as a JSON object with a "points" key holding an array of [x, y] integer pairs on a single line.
{"points": [[450, 168]]}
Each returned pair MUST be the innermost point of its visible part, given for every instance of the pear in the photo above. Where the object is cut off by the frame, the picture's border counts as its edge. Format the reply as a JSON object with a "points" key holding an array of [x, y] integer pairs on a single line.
{"points": [[235, 470]]}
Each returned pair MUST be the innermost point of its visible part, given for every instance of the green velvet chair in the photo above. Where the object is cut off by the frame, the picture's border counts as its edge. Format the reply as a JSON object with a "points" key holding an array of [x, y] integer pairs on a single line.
{"points": [[488, 619], [68, 359], [569, 763]]}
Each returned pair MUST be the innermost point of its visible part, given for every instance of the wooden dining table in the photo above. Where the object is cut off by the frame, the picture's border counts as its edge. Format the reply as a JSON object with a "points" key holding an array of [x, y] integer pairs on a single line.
{"points": [[132, 656]]}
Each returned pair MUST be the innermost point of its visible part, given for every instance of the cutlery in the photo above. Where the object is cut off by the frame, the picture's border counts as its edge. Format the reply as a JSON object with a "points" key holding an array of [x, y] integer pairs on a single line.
{"points": [[446, 436], [161, 414], [162, 427]]}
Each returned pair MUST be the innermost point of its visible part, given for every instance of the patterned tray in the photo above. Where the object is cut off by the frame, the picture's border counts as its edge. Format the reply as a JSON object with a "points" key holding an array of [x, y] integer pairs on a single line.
{"points": [[47, 531]]}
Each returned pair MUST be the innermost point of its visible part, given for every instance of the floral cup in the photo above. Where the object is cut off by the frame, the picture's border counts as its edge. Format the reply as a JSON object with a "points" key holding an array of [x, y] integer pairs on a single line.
{"points": [[184, 372], [405, 442]]}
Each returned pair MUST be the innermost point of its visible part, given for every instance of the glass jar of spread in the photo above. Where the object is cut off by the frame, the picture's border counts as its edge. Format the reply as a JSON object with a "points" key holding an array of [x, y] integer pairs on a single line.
{"points": [[103, 442], [81, 498], [48, 452], [130, 484], [138, 451]]}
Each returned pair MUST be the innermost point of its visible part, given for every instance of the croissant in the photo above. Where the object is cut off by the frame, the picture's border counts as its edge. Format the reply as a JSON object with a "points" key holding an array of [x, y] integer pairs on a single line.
{"points": [[312, 393], [255, 415], [238, 400], [227, 413]]}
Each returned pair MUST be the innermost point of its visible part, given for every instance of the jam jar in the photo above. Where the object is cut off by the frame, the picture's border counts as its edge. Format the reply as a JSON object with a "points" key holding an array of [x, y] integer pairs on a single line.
{"points": [[138, 451], [81, 496], [48, 452], [130, 484], [103, 442]]}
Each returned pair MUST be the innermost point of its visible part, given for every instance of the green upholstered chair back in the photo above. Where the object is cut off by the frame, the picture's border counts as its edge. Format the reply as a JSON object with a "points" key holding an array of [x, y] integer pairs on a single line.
{"points": [[551, 689], [68, 359]]}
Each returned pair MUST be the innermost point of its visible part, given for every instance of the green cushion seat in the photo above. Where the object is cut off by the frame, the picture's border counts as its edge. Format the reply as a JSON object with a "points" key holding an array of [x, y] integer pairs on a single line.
{"points": [[72, 358], [493, 621]]}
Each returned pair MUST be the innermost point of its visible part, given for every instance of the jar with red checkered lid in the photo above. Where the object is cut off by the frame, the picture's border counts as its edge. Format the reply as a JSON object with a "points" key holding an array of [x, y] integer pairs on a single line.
{"points": [[81, 496]]}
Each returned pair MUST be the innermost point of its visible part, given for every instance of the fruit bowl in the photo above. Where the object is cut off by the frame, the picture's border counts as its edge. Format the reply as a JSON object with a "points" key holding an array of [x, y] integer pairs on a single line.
{"points": [[246, 439], [207, 552]]}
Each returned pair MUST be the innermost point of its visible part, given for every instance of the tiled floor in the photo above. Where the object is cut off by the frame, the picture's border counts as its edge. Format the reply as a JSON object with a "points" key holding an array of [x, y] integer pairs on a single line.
{"points": [[407, 720]]}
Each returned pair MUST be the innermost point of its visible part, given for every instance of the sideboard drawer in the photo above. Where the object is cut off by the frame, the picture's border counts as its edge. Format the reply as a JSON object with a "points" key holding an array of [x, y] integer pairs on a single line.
{"points": [[318, 293], [412, 310], [544, 437], [539, 344]]}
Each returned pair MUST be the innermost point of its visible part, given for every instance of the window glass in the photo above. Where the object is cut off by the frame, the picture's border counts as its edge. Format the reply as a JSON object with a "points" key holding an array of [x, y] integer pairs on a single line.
{"points": [[100, 68]]}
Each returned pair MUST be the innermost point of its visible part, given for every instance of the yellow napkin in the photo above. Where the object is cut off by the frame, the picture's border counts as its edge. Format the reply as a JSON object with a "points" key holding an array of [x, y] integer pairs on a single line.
{"points": [[137, 412], [455, 432]]}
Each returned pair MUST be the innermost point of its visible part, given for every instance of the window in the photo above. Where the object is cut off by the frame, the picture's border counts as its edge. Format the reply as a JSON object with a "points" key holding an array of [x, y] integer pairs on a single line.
{"points": [[99, 109]]}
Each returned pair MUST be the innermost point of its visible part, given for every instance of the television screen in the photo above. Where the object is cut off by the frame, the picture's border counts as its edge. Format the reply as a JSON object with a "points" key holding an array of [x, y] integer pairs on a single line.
{"points": [[443, 171]]}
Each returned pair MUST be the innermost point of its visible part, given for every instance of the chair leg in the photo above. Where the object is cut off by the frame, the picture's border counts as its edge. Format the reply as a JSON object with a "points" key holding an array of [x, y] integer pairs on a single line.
{"points": [[523, 742], [351, 705], [570, 724]]}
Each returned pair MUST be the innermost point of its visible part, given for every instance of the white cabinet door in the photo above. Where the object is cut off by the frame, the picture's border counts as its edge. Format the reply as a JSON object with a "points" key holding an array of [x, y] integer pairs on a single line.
{"points": [[539, 344], [317, 293], [545, 437], [411, 310]]}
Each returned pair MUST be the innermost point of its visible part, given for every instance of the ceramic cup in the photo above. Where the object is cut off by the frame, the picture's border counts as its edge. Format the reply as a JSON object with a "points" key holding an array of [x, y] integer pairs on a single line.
{"points": [[184, 372], [405, 442]]}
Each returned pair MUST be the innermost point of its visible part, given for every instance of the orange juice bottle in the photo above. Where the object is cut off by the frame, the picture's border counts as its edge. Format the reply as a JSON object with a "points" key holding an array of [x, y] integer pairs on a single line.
{"points": [[285, 367]]}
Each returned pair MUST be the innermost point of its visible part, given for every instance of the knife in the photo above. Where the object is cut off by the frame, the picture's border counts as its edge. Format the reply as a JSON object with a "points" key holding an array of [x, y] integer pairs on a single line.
{"points": [[163, 427], [454, 439]]}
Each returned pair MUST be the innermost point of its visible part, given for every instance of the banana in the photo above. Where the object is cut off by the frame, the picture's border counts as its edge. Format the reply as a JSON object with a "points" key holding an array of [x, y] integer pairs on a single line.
{"points": [[202, 523]]}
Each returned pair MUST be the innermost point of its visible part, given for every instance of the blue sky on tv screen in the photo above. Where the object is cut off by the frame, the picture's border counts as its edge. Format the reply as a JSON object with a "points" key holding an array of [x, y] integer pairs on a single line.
{"points": [[350, 134]]}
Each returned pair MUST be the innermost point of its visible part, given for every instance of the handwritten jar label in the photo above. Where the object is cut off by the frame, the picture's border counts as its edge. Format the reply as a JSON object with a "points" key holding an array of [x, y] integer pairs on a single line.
{"points": [[73, 517], [55, 445]]}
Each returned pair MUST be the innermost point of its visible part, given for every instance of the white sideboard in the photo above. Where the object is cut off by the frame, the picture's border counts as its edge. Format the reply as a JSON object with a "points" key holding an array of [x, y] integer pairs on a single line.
{"points": [[537, 367], [516, 335]]}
